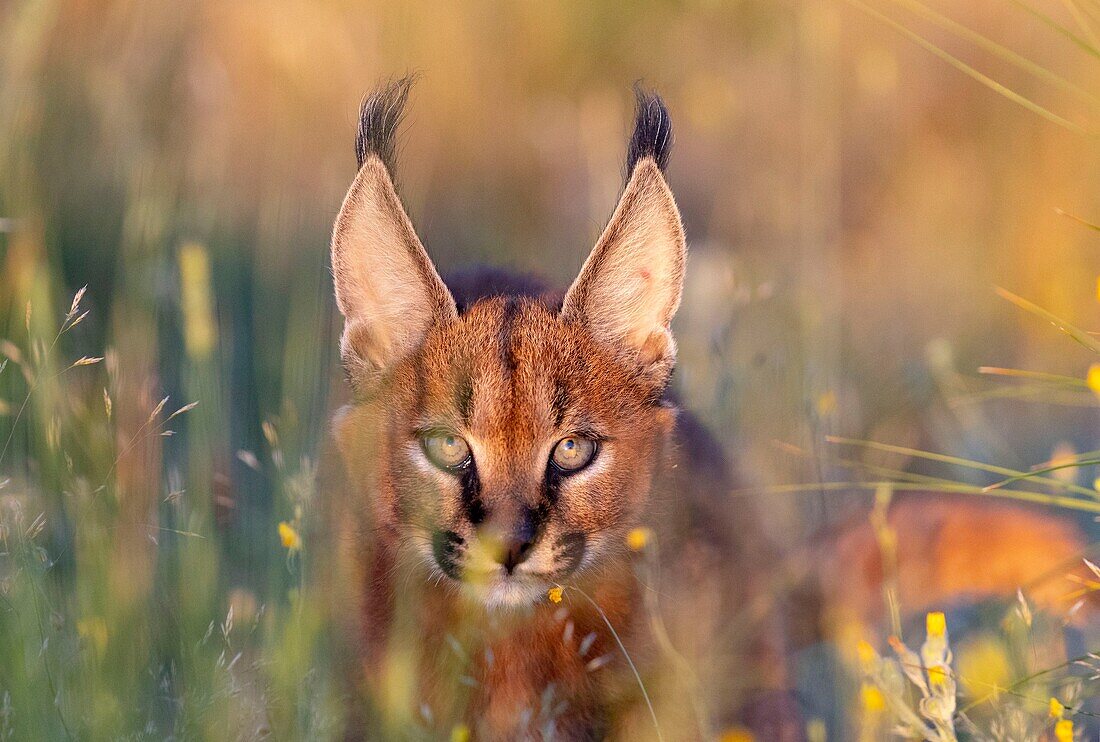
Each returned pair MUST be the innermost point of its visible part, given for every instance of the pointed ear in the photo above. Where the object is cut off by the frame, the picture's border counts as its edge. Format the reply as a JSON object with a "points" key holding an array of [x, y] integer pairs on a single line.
{"points": [[630, 286], [386, 286]]}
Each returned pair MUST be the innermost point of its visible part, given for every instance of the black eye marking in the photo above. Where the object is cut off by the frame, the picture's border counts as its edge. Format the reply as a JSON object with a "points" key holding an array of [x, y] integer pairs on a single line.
{"points": [[447, 549], [551, 485], [471, 496], [466, 471]]}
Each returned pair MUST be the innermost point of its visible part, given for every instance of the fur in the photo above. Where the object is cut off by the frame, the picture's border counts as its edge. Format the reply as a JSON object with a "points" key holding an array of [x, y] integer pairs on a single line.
{"points": [[436, 627], [652, 135], [380, 115]]}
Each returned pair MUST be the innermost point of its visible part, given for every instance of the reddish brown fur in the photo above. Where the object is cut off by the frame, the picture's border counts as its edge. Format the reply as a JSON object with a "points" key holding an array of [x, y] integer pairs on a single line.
{"points": [[950, 550], [436, 612], [512, 376], [514, 365]]}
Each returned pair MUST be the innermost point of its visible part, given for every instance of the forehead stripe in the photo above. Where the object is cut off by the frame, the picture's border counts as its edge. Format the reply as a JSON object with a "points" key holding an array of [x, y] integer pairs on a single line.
{"points": [[560, 403], [464, 399], [507, 323]]}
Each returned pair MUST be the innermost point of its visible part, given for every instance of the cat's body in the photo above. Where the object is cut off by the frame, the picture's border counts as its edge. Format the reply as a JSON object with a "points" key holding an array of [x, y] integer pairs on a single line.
{"points": [[556, 667], [531, 541], [527, 535]]}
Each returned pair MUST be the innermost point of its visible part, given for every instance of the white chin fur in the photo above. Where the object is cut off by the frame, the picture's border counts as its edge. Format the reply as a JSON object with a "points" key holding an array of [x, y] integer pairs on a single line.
{"points": [[506, 593]]}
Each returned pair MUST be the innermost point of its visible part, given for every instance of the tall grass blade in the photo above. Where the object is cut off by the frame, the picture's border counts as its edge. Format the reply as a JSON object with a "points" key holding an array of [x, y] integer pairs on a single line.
{"points": [[1058, 28], [956, 461], [1039, 472], [1003, 52], [1082, 21], [637, 675], [1033, 375], [1077, 219], [968, 70], [1074, 332], [1069, 503]]}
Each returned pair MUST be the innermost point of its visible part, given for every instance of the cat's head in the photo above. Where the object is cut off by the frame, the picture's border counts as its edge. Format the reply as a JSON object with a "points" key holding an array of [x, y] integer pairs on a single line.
{"points": [[512, 444]]}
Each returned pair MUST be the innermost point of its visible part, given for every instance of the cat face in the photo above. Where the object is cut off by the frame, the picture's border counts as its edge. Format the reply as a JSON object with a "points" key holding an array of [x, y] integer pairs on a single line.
{"points": [[510, 445]]}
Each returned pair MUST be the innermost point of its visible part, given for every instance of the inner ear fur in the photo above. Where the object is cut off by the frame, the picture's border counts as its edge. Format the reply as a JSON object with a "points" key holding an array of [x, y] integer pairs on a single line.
{"points": [[386, 286], [629, 287]]}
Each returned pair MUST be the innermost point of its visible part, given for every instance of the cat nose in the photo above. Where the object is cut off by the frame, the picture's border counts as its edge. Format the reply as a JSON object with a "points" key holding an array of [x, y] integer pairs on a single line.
{"points": [[514, 553], [515, 543]]}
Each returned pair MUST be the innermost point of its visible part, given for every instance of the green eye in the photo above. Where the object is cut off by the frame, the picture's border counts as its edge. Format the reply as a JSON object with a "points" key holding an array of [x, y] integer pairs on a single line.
{"points": [[446, 451], [573, 452]]}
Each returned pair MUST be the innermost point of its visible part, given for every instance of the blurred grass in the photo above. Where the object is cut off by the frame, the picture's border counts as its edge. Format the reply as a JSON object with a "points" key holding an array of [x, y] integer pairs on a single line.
{"points": [[851, 201]]}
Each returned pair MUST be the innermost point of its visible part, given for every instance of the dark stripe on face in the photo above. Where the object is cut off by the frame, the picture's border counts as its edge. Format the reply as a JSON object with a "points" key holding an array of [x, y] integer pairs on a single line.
{"points": [[560, 403], [471, 496], [551, 487], [507, 321], [464, 399]]}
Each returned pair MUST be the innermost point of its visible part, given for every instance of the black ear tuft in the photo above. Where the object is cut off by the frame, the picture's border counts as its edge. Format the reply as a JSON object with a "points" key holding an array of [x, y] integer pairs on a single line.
{"points": [[652, 135], [379, 116]]}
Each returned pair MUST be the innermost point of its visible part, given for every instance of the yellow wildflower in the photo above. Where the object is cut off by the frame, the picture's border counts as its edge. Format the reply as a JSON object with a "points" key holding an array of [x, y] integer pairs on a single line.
{"points": [[555, 593], [1093, 378], [867, 654], [872, 699], [460, 733], [936, 624], [737, 734], [289, 536], [1057, 710], [638, 538], [937, 675], [1063, 731], [826, 403]]}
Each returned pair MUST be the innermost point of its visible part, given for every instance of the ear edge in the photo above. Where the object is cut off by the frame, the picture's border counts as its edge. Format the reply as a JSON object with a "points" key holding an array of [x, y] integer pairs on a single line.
{"points": [[385, 196], [647, 178], [646, 191], [675, 225], [576, 295], [367, 344]]}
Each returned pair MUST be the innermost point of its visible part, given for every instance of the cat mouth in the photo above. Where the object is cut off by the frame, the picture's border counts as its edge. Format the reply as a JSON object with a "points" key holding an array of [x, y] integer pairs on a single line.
{"points": [[451, 555]]}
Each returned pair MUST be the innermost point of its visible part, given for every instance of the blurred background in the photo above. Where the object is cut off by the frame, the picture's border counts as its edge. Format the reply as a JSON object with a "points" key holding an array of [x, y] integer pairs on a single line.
{"points": [[852, 197]]}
